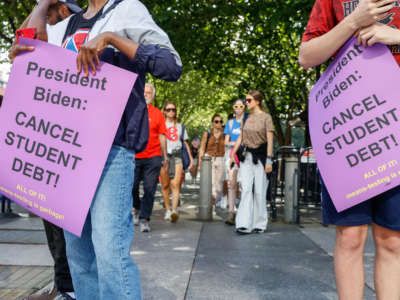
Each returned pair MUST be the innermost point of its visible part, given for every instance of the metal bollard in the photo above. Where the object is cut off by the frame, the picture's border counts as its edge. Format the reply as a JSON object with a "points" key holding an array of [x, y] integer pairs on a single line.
{"points": [[205, 205], [291, 158]]}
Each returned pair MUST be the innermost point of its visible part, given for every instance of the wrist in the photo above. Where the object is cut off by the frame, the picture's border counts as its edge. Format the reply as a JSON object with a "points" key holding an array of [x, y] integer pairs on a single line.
{"points": [[109, 38], [351, 22]]}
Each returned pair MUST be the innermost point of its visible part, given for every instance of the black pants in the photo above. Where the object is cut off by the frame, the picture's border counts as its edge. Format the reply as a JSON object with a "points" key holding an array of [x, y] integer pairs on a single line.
{"points": [[146, 170], [56, 242]]}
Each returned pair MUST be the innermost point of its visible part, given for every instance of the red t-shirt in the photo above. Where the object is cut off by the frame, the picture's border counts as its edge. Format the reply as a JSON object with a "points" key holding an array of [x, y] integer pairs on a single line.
{"points": [[156, 127], [326, 14]]}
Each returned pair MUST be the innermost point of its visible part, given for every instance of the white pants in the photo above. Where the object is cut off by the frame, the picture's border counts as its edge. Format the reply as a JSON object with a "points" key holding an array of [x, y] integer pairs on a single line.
{"points": [[252, 211], [217, 171]]}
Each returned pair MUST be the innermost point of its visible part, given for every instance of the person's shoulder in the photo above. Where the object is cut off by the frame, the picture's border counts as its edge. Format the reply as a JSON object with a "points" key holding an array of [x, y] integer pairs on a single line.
{"points": [[131, 7]]}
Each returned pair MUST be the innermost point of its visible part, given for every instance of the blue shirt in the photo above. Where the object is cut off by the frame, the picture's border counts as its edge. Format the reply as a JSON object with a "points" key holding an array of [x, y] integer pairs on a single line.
{"points": [[233, 129]]}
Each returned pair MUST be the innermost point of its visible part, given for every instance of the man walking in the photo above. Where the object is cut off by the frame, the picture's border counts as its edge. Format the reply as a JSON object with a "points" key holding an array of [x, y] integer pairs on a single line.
{"points": [[148, 163]]}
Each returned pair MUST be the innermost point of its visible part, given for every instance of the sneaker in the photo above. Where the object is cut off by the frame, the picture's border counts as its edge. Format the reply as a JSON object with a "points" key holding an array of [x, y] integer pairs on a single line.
{"points": [[136, 218], [46, 295], [242, 231], [168, 215], [174, 216], [231, 219], [63, 296], [144, 226], [258, 230]]}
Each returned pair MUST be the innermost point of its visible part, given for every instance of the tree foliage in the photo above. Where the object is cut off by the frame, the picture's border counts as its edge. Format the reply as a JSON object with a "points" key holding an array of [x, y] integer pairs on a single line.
{"points": [[227, 47]]}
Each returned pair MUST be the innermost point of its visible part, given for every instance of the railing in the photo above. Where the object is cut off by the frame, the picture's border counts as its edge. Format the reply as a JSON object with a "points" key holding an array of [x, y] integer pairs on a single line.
{"points": [[300, 183]]}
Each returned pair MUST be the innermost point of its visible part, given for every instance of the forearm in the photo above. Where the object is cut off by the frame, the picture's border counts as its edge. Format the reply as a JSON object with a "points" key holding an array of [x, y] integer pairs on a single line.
{"points": [[270, 144], [318, 50], [38, 19], [188, 150], [236, 146], [163, 143], [123, 44]]}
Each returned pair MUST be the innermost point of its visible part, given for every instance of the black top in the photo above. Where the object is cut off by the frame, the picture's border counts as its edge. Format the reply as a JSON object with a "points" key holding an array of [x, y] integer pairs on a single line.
{"points": [[78, 22]]}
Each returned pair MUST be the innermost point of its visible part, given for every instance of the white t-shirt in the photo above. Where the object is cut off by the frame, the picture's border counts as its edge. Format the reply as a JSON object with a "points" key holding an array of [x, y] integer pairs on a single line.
{"points": [[174, 133]]}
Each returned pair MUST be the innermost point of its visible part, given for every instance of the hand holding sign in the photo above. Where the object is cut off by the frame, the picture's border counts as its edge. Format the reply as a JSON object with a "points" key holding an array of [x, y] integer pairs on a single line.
{"points": [[354, 117], [56, 132]]}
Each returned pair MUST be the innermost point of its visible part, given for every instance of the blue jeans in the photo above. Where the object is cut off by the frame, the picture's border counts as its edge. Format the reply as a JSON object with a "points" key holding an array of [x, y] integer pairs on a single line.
{"points": [[100, 263]]}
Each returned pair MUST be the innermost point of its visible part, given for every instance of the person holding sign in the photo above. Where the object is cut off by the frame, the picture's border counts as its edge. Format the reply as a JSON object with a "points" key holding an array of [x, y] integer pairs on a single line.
{"points": [[331, 24], [122, 33]]}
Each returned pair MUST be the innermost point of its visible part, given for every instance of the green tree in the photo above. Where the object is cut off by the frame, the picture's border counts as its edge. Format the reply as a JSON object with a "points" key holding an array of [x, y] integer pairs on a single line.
{"points": [[227, 48]]}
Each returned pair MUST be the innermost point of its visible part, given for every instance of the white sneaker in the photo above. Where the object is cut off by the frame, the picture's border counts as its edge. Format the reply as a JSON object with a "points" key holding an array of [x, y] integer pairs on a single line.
{"points": [[136, 218], [144, 226], [174, 216], [168, 215]]}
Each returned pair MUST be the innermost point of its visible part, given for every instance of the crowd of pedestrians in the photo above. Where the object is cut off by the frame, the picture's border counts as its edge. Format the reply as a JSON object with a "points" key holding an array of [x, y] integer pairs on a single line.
{"points": [[152, 146]]}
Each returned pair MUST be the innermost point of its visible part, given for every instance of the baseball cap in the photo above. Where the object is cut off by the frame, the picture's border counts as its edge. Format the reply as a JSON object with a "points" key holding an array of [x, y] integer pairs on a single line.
{"points": [[71, 4]]}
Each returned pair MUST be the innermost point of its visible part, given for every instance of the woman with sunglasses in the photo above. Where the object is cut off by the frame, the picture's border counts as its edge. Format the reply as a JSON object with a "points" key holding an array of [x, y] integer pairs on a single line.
{"points": [[256, 143], [232, 132], [213, 144], [171, 179]]}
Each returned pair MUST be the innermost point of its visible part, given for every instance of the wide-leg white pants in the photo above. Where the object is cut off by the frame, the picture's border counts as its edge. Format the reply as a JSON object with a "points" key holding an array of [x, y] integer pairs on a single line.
{"points": [[252, 211]]}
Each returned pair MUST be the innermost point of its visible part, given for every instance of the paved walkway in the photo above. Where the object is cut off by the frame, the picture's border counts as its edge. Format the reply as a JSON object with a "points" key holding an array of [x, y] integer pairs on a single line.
{"points": [[194, 260]]}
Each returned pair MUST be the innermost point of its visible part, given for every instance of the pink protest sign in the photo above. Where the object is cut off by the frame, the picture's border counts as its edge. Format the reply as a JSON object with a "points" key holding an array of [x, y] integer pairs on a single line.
{"points": [[56, 130], [354, 114]]}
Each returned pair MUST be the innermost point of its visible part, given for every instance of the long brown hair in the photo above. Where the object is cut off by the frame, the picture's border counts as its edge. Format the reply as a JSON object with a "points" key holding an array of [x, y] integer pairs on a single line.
{"points": [[257, 95], [176, 113]]}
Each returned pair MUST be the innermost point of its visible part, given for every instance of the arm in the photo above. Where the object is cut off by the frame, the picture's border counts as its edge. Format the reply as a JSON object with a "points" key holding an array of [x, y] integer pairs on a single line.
{"points": [[319, 49], [38, 18], [236, 147], [190, 155], [163, 144], [270, 149], [227, 139], [156, 52]]}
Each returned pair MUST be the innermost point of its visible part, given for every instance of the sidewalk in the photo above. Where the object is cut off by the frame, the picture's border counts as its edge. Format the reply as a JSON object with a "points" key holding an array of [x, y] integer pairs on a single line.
{"points": [[195, 260]]}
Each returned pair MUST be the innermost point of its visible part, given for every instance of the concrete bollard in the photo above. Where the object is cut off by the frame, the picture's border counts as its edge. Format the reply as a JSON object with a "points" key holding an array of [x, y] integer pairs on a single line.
{"points": [[291, 158], [205, 205]]}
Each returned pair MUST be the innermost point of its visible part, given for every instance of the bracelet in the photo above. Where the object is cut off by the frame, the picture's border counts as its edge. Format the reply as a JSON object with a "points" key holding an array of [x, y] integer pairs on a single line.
{"points": [[269, 157], [269, 162]]}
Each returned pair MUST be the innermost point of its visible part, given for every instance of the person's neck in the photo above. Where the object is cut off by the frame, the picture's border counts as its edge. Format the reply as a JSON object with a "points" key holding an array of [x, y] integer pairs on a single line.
{"points": [[217, 130], [255, 110], [94, 7], [170, 120], [239, 117]]}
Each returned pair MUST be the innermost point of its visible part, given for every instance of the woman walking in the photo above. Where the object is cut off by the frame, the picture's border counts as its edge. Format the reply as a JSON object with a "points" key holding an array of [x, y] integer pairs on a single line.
{"points": [[171, 180], [232, 132], [256, 146], [213, 144]]}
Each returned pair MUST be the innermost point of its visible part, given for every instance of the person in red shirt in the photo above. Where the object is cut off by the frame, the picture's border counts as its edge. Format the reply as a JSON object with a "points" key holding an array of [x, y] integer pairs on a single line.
{"points": [[149, 162], [331, 24]]}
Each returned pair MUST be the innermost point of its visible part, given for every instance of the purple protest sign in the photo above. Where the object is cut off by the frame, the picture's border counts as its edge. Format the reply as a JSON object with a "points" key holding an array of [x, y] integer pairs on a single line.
{"points": [[56, 130], [354, 116]]}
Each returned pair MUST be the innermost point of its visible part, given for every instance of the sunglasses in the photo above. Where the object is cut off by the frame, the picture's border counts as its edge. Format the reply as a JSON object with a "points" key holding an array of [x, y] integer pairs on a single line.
{"points": [[248, 100], [218, 121], [238, 106], [170, 109]]}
